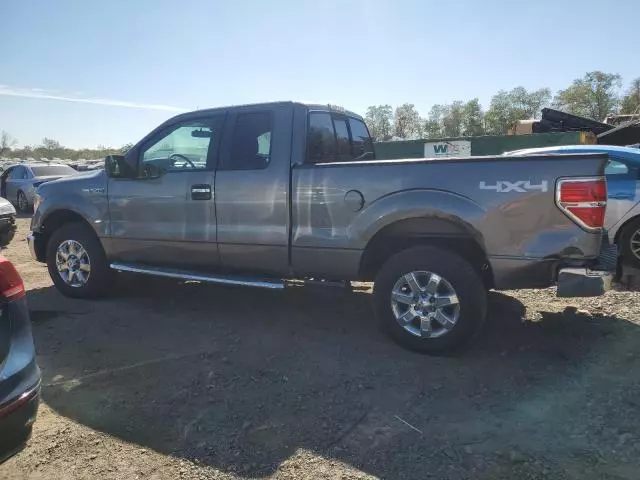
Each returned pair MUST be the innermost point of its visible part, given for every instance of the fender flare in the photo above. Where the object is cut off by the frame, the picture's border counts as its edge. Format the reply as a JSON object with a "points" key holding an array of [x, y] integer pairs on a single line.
{"points": [[446, 207]]}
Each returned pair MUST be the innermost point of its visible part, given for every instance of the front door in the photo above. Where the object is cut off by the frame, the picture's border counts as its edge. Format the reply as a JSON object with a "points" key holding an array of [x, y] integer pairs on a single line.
{"points": [[4, 181], [166, 216]]}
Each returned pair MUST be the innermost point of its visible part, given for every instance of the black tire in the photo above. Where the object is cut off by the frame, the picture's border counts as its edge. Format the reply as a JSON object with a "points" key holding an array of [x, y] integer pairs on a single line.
{"points": [[630, 233], [22, 203], [471, 294], [100, 276]]}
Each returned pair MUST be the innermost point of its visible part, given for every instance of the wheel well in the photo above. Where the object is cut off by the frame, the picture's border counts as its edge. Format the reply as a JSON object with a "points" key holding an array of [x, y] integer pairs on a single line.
{"points": [[624, 226], [50, 224], [415, 232]]}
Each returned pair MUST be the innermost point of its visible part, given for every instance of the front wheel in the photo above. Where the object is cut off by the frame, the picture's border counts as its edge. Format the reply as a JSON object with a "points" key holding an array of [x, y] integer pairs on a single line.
{"points": [[76, 261], [430, 300]]}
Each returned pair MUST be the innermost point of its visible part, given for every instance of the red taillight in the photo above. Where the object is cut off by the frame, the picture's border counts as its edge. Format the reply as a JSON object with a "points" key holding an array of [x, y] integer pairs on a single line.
{"points": [[11, 284], [584, 200]]}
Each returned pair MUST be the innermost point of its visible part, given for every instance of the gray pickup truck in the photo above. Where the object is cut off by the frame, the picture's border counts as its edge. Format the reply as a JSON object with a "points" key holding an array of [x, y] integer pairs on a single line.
{"points": [[256, 195]]}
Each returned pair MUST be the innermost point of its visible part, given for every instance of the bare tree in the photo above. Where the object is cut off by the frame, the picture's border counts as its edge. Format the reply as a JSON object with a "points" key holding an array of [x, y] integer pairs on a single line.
{"points": [[6, 142]]}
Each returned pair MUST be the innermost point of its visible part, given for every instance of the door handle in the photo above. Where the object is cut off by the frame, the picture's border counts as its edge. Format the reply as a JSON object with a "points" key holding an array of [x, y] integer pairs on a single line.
{"points": [[621, 196], [201, 192]]}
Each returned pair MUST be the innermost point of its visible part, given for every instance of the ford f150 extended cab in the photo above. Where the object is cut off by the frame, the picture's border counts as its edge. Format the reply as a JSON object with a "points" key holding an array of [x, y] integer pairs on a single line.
{"points": [[258, 194]]}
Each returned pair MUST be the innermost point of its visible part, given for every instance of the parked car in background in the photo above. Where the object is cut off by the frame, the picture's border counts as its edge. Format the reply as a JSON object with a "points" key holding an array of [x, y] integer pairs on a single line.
{"points": [[7, 222], [18, 183], [19, 372], [622, 219]]}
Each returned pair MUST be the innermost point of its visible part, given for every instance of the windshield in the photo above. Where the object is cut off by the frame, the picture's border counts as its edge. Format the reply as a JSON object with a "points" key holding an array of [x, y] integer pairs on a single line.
{"points": [[46, 170]]}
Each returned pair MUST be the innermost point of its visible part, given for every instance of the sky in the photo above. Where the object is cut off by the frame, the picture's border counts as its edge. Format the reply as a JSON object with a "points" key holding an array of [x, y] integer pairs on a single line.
{"points": [[106, 73]]}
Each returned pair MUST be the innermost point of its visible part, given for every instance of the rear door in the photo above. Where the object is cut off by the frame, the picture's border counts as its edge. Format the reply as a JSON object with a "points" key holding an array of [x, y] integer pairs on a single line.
{"points": [[252, 189], [167, 215]]}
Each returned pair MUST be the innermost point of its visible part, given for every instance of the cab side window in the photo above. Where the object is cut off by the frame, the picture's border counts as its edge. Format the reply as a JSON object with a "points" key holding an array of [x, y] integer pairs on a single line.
{"points": [[250, 142], [321, 139], [337, 138], [361, 142], [17, 173], [183, 147]]}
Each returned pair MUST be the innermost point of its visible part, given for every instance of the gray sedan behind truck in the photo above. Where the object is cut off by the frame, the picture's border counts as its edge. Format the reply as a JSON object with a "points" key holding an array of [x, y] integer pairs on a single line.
{"points": [[258, 194], [18, 183]]}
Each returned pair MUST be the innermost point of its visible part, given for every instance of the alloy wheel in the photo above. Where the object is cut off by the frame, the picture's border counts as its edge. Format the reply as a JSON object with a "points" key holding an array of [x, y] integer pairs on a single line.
{"points": [[73, 263], [635, 244], [425, 304]]}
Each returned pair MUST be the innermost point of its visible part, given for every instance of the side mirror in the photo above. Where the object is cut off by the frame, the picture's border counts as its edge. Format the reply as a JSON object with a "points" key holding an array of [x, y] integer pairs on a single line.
{"points": [[120, 166]]}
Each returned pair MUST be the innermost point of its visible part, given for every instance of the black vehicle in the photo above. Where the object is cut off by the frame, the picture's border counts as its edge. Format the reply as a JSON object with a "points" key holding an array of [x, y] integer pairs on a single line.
{"points": [[19, 373]]}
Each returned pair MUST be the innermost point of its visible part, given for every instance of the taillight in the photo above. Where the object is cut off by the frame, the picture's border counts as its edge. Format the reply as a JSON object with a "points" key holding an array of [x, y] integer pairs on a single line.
{"points": [[11, 284], [584, 200]]}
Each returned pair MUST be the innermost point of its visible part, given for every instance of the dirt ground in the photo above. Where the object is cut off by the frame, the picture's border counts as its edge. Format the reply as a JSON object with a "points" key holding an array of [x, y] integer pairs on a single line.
{"points": [[165, 380]]}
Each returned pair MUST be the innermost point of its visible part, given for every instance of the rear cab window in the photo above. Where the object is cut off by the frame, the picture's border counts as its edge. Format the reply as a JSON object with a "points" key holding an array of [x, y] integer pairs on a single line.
{"points": [[333, 137]]}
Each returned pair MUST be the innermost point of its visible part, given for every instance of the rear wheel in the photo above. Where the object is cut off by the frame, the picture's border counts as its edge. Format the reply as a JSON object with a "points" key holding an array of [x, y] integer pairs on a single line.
{"points": [[629, 243], [430, 300], [76, 262], [22, 202]]}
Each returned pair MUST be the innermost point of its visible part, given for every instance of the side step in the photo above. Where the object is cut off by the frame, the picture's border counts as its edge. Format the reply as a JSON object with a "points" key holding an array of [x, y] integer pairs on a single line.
{"points": [[198, 276]]}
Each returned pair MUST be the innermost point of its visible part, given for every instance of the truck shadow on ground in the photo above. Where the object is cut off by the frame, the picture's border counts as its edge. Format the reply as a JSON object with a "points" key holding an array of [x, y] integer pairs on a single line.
{"points": [[243, 379]]}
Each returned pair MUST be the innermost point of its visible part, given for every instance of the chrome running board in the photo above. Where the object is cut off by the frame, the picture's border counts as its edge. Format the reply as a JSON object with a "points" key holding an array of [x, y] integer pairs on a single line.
{"points": [[198, 276]]}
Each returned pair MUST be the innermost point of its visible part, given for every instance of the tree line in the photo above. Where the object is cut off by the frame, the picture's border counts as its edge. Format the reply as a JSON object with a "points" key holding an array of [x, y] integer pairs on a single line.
{"points": [[50, 148], [595, 95]]}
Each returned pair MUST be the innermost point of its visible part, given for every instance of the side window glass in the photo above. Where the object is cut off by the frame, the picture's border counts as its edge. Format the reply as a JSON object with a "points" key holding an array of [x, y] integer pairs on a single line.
{"points": [[26, 175], [185, 147], [361, 143], [342, 137], [16, 173], [616, 168], [321, 139], [251, 142]]}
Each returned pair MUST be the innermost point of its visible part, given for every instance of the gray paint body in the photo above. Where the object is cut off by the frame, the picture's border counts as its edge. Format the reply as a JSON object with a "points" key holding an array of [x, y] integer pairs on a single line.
{"points": [[291, 219]]}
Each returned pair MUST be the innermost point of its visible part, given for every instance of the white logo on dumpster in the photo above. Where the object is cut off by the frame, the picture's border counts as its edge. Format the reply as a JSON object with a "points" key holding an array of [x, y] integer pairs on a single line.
{"points": [[520, 186]]}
